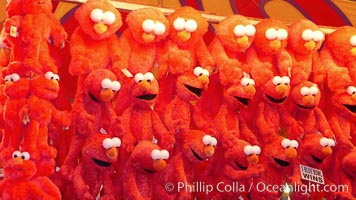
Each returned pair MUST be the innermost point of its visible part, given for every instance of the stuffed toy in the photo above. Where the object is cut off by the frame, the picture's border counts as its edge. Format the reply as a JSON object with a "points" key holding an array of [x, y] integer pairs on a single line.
{"points": [[19, 181], [186, 165], [92, 177], [268, 48], [141, 176], [233, 37], [304, 41], [305, 98], [37, 25], [348, 165], [92, 112], [140, 121], [93, 42]]}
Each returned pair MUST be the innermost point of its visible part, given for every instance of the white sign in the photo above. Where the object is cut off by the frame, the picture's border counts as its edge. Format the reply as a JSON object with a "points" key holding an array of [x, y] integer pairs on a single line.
{"points": [[311, 174]]}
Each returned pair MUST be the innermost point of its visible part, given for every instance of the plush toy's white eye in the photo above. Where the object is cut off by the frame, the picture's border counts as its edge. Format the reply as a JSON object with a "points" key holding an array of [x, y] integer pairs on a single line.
{"points": [[286, 80], [109, 18], [108, 143], [164, 154], [248, 150], [277, 80], [286, 143], [14, 77], [313, 90], [324, 141], [116, 141], [206, 72], [16, 154], [251, 81], [156, 154], [256, 149], [353, 40], [7, 78], [106, 83], [149, 77], [198, 71], [318, 36], [191, 25], [115, 86], [207, 139], [271, 34], [159, 29], [351, 90], [250, 30], [139, 77], [96, 15], [307, 35], [214, 142], [179, 24], [49, 75], [282, 34], [245, 81], [331, 142], [56, 77], [304, 91], [25, 155], [148, 25], [294, 144], [239, 30]]}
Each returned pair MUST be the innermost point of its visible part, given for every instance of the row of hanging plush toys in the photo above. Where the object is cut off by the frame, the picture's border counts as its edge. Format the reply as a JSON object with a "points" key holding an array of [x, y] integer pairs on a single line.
{"points": [[169, 125]]}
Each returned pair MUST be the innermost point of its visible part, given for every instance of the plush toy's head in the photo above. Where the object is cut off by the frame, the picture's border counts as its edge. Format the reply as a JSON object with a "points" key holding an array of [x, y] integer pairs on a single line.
{"points": [[45, 86], [306, 95], [277, 89], [98, 18], [342, 43], [304, 37], [236, 33], [198, 146], [280, 152], [19, 167], [37, 6], [147, 25], [191, 84], [315, 149], [345, 100], [100, 150], [149, 158], [101, 85], [240, 93], [349, 164], [271, 36], [188, 26], [14, 7], [16, 85], [144, 89]]}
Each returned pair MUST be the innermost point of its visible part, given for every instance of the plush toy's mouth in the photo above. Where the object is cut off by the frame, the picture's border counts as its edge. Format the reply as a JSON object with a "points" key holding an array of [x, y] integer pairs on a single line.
{"points": [[351, 108], [306, 107], [148, 171], [240, 166], [92, 97], [244, 101], [196, 155], [316, 159], [196, 91], [147, 97], [101, 163], [276, 100], [281, 162]]}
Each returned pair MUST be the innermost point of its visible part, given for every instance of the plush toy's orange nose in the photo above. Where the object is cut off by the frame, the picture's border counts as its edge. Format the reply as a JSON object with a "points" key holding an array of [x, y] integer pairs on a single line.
{"points": [[106, 95], [112, 153], [243, 42], [282, 90], [353, 97], [353, 51], [291, 153], [209, 150], [144, 84], [56, 83], [308, 100], [310, 45], [159, 165], [184, 35], [253, 158], [18, 161], [275, 44], [148, 37], [8, 83], [100, 28], [250, 90], [327, 151], [204, 79]]}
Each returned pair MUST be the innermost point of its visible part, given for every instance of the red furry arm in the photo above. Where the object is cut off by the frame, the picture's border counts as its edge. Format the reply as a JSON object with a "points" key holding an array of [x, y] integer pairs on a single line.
{"points": [[162, 60], [284, 62], [108, 186], [131, 191], [323, 123], [204, 57], [57, 30], [246, 133], [177, 107], [37, 191], [202, 122], [79, 55], [61, 118], [122, 61], [128, 138], [296, 131], [341, 137], [319, 71], [261, 122], [251, 172], [220, 123], [81, 189], [327, 59], [165, 139]]}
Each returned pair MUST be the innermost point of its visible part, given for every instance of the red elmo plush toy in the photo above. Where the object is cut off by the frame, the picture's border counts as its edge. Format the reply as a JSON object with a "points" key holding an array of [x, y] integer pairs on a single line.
{"points": [[348, 165], [19, 181], [141, 176], [92, 177]]}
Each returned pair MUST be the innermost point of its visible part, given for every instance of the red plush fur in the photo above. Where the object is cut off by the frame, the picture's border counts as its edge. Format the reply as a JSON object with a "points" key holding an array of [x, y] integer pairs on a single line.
{"points": [[142, 170], [348, 165], [92, 177], [306, 64]]}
